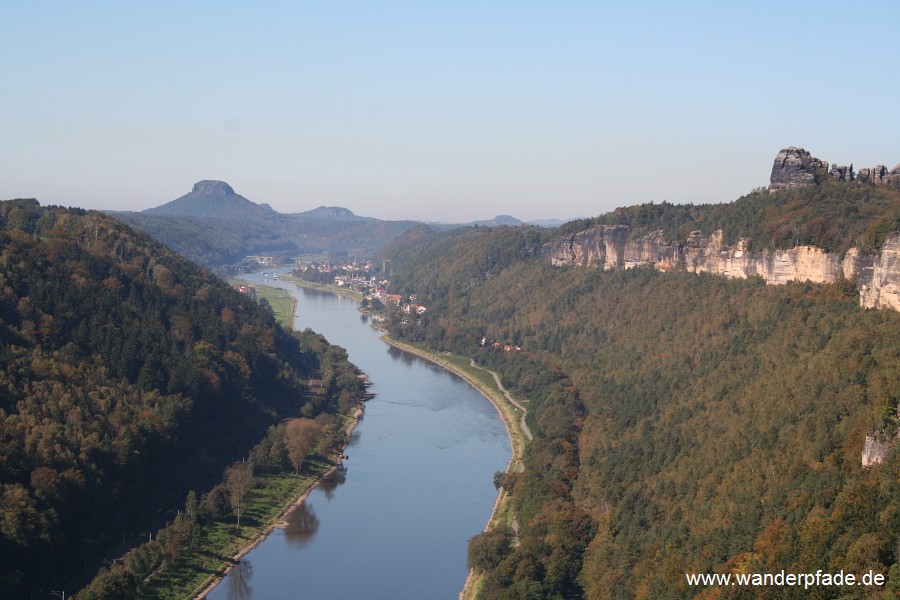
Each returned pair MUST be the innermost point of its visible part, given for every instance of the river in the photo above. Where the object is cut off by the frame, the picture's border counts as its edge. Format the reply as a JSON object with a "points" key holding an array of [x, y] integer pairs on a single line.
{"points": [[418, 482]]}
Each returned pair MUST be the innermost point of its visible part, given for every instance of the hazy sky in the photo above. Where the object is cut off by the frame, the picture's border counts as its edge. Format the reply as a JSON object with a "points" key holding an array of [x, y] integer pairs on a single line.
{"points": [[447, 111]]}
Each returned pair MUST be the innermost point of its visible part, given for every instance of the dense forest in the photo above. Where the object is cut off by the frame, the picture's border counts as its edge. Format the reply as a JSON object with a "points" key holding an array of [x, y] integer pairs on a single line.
{"points": [[833, 216], [683, 423], [128, 378]]}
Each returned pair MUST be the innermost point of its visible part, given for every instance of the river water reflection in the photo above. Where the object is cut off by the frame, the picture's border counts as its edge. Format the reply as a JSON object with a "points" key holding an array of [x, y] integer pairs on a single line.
{"points": [[418, 483]]}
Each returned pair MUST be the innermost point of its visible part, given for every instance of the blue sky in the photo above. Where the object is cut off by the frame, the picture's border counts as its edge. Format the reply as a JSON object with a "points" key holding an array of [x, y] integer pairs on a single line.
{"points": [[449, 111]]}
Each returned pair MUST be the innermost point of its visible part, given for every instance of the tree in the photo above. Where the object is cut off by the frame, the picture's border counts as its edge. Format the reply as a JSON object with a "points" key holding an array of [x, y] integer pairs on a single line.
{"points": [[238, 482], [299, 439], [488, 549]]}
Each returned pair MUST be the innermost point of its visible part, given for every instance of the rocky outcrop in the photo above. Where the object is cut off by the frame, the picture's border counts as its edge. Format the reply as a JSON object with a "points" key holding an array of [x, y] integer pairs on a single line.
{"points": [[600, 246], [876, 278], [796, 167], [803, 263], [880, 175], [874, 451], [213, 188], [879, 280], [839, 173], [609, 247]]}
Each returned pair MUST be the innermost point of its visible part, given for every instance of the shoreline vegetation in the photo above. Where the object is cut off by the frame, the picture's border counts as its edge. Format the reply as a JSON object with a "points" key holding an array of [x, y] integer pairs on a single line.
{"points": [[221, 544], [511, 412], [281, 521], [283, 303], [277, 298]]}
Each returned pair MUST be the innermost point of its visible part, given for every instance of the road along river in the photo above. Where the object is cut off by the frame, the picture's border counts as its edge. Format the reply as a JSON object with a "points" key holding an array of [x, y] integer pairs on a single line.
{"points": [[418, 482]]}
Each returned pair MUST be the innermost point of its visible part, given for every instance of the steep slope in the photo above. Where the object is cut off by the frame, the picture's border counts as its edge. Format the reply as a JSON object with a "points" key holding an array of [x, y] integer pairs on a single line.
{"points": [[683, 422], [128, 375]]}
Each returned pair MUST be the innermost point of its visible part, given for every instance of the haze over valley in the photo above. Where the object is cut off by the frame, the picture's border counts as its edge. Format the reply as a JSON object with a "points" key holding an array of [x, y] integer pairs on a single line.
{"points": [[412, 300]]}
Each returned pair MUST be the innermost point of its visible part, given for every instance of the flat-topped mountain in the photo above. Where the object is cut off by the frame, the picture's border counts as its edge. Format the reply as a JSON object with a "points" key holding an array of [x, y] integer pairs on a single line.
{"points": [[213, 199], [213, 225]]}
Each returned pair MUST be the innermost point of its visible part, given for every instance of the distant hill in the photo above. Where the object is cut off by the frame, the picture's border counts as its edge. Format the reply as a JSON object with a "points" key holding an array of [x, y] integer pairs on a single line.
{"points": [[498, 221], [214, 226], [336, 213], [214, 199]]}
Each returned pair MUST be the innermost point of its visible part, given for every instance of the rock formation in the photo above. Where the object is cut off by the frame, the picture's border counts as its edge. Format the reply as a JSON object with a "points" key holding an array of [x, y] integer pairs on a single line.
{"points": [[610, 247], [874, 451], [213, 188], [879, 281], [795, 167], [880, 175]]}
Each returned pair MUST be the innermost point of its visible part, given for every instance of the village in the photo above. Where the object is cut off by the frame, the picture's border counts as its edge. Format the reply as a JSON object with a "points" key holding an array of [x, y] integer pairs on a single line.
{"points": [[357, 277], [361, 278]]}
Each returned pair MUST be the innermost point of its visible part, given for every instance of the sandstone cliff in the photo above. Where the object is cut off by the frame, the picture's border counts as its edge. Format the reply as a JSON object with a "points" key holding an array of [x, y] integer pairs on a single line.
{"points": [[795, 167], [609, 247]]}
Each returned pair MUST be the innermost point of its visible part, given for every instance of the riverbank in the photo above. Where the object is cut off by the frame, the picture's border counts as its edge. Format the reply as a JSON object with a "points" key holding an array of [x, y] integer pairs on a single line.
{"points": [[283, 303], [322, 287], [281, 522], [512, 414]]}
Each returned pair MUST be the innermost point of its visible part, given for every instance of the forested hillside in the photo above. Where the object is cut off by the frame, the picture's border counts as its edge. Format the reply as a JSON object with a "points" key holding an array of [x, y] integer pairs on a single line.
{"points": [[833, 216], [128, 377], [683, 423]]}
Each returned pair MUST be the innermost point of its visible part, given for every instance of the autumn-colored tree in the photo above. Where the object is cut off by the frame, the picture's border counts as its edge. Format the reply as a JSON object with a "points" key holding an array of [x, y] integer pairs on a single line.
{"points": [[239, 481], [300, 438]]}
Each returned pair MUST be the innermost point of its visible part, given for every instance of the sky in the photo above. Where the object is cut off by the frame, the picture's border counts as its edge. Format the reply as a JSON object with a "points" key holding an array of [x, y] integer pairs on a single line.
{"points": [[438, 111]]}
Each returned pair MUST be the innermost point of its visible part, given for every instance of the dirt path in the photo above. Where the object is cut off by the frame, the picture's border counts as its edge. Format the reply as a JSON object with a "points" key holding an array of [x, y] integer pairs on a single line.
{"points": [[522, 424]]}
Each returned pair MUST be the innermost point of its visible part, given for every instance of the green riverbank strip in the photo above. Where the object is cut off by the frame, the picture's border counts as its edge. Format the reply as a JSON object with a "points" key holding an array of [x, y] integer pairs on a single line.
{"points": [[283, 303], [192, 572], [322, 287]]}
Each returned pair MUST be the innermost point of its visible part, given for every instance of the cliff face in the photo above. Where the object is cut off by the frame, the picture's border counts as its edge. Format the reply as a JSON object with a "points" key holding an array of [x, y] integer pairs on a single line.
{"points": [[879, 279], [609, 247]]}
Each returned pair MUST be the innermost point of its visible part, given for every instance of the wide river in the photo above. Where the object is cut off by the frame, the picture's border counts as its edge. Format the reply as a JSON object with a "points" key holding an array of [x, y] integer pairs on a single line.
{"points": [[418, 483]]}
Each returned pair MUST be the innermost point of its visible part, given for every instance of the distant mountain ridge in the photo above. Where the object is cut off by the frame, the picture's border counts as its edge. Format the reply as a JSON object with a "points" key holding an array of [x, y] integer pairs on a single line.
{"points": [[214, 226], [500, 221], [331, 212]]}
